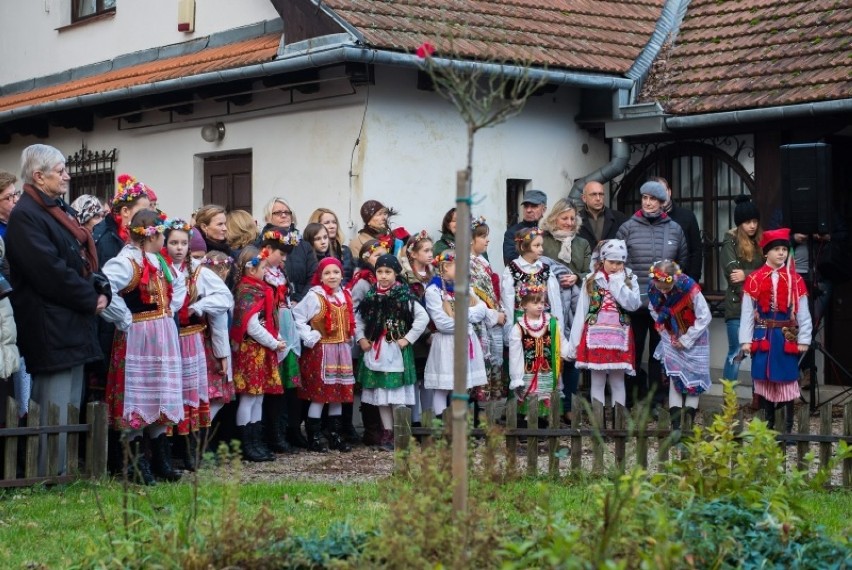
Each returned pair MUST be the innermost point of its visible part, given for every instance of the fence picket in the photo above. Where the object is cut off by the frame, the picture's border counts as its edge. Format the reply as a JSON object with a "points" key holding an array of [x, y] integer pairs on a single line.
{"points": [[598, 424], [10, 465], [553, 442], [824, 429], [532, 442], [664, 442], [427, 420], [619, 423], [641, 440], [804, 429], [96, 442], [512, 440], [53, 461], [31, 465], [401, 438], [847, 431], [72, 443], [576, 440]]}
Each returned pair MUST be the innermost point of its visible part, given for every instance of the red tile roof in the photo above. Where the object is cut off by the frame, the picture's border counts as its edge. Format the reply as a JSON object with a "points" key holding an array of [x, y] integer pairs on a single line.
{"points": [[755, 53], [257, 50], [589, 35]]}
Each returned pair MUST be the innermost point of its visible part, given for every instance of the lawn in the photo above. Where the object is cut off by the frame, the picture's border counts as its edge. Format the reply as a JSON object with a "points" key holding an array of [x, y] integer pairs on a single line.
{"points": [[49, 528]]}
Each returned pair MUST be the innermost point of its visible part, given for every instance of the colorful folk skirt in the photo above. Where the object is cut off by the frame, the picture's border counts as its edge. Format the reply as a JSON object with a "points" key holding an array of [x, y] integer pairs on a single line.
{"points": [[219, 386], [144, 383], [256, 370], [389, 388], [688, 368], [777, 392], [607, 344], [327, 373]]}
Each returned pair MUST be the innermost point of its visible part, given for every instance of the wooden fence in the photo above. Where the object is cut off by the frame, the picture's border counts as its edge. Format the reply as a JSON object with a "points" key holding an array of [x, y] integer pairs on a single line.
{"points": [[94, 430], [613, 440]]}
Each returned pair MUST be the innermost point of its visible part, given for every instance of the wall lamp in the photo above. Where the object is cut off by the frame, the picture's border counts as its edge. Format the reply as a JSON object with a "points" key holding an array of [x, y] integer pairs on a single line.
{"points": [[213, 133]]}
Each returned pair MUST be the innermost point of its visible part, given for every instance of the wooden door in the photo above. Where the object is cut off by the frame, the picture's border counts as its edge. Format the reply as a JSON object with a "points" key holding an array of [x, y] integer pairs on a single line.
{"points": [[227, 181]]}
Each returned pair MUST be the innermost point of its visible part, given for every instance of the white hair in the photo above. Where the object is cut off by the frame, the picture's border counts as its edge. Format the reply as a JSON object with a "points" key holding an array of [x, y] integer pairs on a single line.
{"points": [[39, 158]]}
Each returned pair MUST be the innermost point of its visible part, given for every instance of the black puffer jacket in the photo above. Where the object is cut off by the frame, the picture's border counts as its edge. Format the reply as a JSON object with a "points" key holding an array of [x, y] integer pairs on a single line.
{"points": [[54, 304]]}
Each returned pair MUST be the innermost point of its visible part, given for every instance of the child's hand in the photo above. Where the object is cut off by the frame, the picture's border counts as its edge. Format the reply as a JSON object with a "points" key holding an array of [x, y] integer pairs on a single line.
{"points": [[364, 344], [677, 344], [223, 365], [501, 319], [402, 343], [281, 346], [746, 348], [803, 348]]}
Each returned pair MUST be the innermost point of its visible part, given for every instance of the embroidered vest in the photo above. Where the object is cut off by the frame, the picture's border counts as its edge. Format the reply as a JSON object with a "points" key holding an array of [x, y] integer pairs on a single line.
{"points": [[339, 322], [157, 306]]}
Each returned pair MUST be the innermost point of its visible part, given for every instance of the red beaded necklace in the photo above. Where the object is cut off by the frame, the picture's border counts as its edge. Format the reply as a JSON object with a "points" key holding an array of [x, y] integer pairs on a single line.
{"points": [[531, 328]]}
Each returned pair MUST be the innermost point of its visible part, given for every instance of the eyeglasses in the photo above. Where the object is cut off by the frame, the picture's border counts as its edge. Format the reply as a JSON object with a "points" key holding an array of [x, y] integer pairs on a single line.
{"points": [[282, 213], [13, 197]]}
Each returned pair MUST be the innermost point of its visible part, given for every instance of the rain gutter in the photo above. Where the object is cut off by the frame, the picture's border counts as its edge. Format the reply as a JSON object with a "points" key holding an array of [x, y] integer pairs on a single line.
{"points": [[766, 114]]}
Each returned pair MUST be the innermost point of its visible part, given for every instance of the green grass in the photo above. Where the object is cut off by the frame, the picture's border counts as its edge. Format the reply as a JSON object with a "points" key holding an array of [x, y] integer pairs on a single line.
{"points": [[50, 528]]}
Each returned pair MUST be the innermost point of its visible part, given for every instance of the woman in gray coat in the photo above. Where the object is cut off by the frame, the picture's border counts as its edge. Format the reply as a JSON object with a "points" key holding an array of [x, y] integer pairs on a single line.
{"points": [[650, 235]]}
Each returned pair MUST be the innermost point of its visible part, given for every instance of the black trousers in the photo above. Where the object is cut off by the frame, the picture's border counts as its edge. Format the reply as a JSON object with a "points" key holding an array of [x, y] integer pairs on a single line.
{"points": [[650, 383]]}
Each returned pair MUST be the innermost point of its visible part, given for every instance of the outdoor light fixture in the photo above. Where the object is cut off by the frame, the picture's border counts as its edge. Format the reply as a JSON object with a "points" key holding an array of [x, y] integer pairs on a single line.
{"points": [[213, 133]]}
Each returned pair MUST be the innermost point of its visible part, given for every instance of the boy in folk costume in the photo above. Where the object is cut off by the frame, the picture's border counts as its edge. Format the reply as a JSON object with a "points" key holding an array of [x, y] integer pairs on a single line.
{"points": [[144, 388], [601, 339], [440, 305], [326, 323], [256, 344], [388, 322], [682, 318], [535, 354], [775, 326]]}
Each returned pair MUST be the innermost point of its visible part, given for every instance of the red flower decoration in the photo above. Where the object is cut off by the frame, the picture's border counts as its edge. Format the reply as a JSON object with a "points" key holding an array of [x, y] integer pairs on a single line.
{"points": [[425, 50]]}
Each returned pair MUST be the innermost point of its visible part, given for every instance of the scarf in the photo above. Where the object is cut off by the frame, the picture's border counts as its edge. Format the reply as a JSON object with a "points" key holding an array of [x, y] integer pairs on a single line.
{"points": [[59, 211], [252, 297], [387, 313], [216, 245], [362, 274], [674, 310], [566, 239]]}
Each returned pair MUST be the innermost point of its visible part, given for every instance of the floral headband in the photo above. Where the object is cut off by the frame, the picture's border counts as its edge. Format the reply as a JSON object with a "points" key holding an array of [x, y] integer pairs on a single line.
{"points": [[178, 224], [528, 234], [149, 231], [290, 238], [446, 256], [531, 289], [216, 262], [657, 274], [480, 221], [372, 249], [255, 261], [417, 238], [129, 189]]}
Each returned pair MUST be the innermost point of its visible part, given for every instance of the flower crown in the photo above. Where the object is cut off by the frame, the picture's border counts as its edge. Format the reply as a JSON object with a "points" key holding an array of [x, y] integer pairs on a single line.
{"points": [[290, 238], [446, 256], [149, 231], [657, 274], [480, 221], [531, 289], [255, 261], [216, 262], [372, 249], [528, 234], [129, 189], [177, 224], [417, 238]]}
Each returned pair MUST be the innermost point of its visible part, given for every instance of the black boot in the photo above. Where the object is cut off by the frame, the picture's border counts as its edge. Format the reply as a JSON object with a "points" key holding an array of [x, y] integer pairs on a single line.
{"points": [[161, 459], [768, 413], [314, 426], [372, 425], [138, 468], [259, 445], [347, 429], [190, 451], [335, 439], [294, 420], [274, 435], [387, 441], [522, 424], [247, 446], [675, 415], [789, 412]]}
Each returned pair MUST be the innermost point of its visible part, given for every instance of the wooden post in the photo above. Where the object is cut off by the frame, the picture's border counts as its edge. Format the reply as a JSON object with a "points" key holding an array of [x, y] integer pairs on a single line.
{"points": [[576, 440], [804, 429], [664, 423], [532, 442], [96, 441], [553, 442], [31, 465], [52, 441], [512, 440], [10, 459], [847, 431], [427, 420], [461, 341], [824, 429], [598, 439], [620, 440], [401, 438]]}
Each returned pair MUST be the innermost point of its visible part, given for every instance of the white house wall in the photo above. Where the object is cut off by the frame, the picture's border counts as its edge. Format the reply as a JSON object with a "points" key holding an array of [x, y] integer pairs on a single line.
{"points": [[33, 45]]}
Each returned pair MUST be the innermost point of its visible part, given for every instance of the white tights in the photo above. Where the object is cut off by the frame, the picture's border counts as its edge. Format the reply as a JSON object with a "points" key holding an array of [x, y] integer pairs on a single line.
{"points": [[250, 409], [386, 413], [439, 401], [154, 431], [616, 386], [678, 400], [315, 410], [215, 406]]}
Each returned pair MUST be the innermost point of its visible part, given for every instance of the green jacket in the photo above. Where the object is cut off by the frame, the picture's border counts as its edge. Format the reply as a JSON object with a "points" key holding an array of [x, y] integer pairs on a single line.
{"points": [[581, 254], [729, 261], [446, 241]]}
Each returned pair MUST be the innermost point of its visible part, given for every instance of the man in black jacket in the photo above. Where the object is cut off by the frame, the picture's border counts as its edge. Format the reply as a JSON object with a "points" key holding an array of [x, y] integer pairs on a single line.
{"points": [[534, 206], [687, 221], [56, 294], [599, 221]]}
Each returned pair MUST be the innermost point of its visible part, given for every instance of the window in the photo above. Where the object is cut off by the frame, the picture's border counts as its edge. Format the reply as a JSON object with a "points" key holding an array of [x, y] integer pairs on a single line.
{"points": [[92, 173], [82, 9], [703, 179], [515, 188]]}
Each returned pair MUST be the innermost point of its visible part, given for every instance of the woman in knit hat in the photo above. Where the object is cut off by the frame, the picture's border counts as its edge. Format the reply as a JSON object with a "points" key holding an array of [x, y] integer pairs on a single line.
{"points": [[375, 216], [740, 256]]}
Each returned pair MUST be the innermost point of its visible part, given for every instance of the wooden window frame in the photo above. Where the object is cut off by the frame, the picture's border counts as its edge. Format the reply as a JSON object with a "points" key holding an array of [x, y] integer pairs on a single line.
{"points": [[100, 10]]}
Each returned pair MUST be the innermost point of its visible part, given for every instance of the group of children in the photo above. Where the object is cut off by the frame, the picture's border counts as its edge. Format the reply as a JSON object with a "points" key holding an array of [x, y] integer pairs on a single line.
{"points": [[186, 344]]}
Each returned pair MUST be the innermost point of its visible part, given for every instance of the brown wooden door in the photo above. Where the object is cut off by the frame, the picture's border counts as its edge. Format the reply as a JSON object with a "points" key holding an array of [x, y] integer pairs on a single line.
{"points": [[227, 181]]}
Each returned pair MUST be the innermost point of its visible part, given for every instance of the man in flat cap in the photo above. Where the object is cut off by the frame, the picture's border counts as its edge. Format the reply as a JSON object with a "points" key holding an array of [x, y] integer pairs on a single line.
{"points": [[533, 208]]}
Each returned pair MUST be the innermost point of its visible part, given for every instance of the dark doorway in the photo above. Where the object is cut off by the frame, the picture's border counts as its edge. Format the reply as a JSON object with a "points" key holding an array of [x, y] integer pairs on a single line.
{"points": [[227, 181]]}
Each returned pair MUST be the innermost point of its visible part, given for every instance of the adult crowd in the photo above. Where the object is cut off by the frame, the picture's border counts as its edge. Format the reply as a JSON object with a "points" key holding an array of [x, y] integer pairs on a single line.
{"points": [[183, 325]]}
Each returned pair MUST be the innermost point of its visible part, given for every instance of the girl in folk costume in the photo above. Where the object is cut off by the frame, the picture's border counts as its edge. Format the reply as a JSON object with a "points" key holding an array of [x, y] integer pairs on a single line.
{"points": [[388, 322], [217, 344], [486, 286], [256, 344], [416, 262], [528, 269], [775, 326], [535, 354], [682, 318], [326, 322], [206, 295], [440, 304], [276, 246], [144, 388], [601, 339]]}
